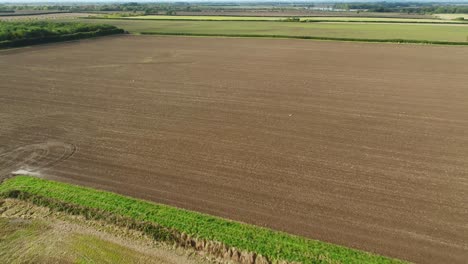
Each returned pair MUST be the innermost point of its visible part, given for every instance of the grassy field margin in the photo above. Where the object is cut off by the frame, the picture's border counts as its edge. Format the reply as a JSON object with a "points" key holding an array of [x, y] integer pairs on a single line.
{"points": [[281, 19], [409, 41], [172, 224]]}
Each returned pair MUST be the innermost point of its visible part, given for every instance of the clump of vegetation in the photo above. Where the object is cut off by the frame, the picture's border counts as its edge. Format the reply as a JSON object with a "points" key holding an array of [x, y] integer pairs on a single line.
{"points": [[112, 15], [459, 19], [171, 13], [292, 19], [98, 204], [27, 33]]}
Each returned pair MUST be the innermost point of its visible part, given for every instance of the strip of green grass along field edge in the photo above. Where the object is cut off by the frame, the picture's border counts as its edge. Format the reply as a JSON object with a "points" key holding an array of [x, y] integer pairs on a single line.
{"points": [[184, 19], [272, 244], [283, 19], [409, 41], [383, 22]]}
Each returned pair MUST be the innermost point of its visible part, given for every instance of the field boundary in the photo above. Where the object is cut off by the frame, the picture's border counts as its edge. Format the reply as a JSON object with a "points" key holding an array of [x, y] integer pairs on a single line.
{"points": [[222, 238], [383, 21], [408, 41], [284, 20]]}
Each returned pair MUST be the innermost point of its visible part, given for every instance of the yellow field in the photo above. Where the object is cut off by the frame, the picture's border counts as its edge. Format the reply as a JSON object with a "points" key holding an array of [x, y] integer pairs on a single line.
{"points": [[451, 16]]}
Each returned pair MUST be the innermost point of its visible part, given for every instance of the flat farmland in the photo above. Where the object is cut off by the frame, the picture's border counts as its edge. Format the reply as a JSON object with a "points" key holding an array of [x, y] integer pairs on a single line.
{"points": [[359, 144], [425, 32], [33, 16], [298, 13], [264, 18]]}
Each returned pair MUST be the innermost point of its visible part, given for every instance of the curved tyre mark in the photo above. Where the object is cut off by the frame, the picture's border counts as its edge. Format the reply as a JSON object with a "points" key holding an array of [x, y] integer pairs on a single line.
{"points": [[35, 157]]}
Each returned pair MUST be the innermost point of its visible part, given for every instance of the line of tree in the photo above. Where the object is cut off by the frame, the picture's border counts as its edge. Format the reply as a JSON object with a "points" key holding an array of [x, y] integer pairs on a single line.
{"points": [[153, 8], [168, 8], [405, 7], [125, 7], [26, 33], [439, 10]]}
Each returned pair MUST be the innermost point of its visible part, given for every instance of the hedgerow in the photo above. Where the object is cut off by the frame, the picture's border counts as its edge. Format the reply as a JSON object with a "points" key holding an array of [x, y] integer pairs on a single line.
{"points": [[13, 34]]}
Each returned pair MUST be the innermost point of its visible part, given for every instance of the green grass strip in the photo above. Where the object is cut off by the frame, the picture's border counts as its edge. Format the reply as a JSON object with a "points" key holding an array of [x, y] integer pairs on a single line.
{"points": [[381, 21], [409, 41], [273, 244], [283, 19], [182, 19]]}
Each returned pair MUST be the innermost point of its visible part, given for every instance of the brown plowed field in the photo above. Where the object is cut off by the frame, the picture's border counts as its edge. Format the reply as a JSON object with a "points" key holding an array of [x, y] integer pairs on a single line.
{"points": [[363, 145]]}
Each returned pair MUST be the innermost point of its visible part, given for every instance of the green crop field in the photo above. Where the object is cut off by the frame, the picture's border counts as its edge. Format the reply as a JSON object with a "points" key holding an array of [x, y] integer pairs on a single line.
{"points": [[377, 19], [273, 244], [423, 32], [218, 18], [264, 18]]}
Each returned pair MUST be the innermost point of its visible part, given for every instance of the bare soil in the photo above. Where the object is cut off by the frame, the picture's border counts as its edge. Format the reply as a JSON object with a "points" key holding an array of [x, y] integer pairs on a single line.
{"points": [[364, 145]]}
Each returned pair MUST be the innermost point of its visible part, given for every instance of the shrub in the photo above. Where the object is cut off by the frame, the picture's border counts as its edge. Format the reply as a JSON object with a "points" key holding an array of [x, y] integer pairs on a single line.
{"points": [[14, 34], [292, 19]]}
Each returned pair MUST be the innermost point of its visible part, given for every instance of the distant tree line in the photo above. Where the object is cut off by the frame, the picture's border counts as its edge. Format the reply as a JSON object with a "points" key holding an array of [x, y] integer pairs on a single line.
{"points": [[441, 10], [149, 8], [172, 8], [27, 33], [405, 7]]}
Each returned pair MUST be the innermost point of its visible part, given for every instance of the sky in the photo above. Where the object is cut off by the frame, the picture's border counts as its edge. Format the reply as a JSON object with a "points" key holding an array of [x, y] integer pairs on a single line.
{"points": [[231, 1]]}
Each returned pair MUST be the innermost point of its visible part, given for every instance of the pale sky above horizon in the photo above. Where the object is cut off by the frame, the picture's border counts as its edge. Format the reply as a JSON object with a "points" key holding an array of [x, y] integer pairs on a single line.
{"points": [[156, 1]]}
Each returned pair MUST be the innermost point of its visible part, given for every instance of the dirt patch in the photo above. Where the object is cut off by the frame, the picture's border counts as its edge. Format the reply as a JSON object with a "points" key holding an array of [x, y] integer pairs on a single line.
{"points": [[359, 144]]}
